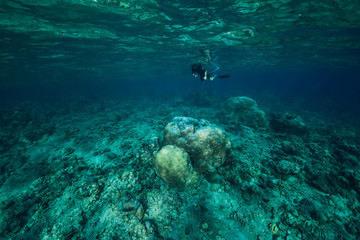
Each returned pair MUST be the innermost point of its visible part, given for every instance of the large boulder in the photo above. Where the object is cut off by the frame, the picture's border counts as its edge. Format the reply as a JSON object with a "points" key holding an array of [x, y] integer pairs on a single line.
{"points": [[239, 111], [207, 145], [173, 165], [287, 123]]}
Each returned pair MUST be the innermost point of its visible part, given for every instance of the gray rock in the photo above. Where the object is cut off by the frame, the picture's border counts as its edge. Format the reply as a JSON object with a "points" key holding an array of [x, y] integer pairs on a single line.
{"points": [[287, 123], [239, 111], [207, 145]]}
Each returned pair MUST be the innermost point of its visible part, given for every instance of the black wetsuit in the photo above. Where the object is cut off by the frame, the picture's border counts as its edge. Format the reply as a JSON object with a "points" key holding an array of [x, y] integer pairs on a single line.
{"points": [[198, 70]]}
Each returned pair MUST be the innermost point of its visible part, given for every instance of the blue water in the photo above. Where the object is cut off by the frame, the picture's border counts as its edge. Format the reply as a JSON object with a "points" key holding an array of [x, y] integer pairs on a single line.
{"points": [[324, 89], [87, 88], [306, 51]]}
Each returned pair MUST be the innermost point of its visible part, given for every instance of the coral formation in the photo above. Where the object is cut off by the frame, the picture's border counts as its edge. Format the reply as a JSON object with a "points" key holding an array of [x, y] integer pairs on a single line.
{"points": [[207, 144], [273, 228], [95, 178], [287, 122], [172, 164], [239, 111]]}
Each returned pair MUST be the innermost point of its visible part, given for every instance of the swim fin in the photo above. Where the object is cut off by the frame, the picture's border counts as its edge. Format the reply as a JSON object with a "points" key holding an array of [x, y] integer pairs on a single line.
{"points": [[223, 76]]}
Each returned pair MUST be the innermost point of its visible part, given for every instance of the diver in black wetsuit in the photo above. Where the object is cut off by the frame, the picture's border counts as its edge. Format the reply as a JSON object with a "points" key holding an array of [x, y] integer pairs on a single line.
{"points": [[199, 71]]}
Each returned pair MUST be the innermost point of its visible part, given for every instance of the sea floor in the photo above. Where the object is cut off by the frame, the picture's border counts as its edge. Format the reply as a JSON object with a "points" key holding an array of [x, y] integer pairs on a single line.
{"points": [[83, 169]]}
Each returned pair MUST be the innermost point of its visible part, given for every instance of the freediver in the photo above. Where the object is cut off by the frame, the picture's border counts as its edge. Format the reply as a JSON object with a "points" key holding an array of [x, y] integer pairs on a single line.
{"points": [[198, 70]]}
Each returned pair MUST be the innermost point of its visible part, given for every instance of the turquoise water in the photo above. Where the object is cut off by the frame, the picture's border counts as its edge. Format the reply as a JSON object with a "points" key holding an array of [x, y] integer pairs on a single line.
{"points": [[147, 47], [90, 91]]}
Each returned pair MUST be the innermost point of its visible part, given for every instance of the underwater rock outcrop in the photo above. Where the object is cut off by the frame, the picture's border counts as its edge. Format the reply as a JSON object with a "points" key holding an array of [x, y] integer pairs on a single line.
{"points": [[207, 144], [173, 165], [239, 111], [287, 123]]}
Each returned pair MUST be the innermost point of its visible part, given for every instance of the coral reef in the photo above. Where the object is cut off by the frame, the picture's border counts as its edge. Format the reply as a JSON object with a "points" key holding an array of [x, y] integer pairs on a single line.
{"points": [[86, 170], [287, 123], [239, 111], [174, 167], [207, 144]]}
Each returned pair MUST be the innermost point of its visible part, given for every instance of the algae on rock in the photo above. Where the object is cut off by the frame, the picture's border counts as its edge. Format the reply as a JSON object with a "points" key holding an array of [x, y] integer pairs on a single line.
{"points": [[207, 145], [173, 165]]}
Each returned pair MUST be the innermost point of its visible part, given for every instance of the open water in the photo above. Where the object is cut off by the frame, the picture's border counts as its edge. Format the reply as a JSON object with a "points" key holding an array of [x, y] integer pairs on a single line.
{"points": [[88, 86]]}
